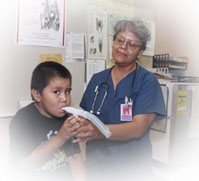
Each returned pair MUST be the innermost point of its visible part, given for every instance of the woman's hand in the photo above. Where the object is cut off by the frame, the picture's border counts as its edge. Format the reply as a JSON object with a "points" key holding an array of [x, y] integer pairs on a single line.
{"points": [[87, 131]]}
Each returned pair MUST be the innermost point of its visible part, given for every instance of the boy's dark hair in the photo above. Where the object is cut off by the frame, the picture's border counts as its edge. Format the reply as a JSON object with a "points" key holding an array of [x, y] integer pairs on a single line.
{"points": [[44, 72]]}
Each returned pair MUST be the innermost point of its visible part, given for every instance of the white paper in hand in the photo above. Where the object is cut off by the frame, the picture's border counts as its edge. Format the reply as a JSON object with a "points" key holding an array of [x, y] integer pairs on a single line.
{"points": [[96, 121]]}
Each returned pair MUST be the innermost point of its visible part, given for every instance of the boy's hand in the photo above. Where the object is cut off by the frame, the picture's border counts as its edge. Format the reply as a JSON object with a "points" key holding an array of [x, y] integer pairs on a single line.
{"points": [[69, 128]]}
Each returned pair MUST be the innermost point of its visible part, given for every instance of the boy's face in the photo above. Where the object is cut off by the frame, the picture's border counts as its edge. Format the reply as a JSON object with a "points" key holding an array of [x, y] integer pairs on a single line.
{"points": [[55, 96]]}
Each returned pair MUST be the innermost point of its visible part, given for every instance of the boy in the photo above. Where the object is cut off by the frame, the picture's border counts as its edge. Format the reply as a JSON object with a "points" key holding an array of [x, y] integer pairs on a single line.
{"points": [[40, 133]]}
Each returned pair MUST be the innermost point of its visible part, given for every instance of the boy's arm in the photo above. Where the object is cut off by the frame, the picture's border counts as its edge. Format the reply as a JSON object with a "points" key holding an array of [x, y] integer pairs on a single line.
{"points": [[77, 167], [42, 154]]}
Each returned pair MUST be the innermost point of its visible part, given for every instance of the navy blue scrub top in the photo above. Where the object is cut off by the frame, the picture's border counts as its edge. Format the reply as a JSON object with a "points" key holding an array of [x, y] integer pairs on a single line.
{"points": [[147, 98]]}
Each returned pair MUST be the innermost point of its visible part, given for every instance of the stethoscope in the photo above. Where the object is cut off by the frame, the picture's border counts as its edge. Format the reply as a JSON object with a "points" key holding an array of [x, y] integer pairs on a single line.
{"points": [[128, 100]]}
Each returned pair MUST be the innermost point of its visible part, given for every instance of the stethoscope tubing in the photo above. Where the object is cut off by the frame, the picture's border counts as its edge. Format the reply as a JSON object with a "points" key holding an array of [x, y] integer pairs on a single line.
{"points": [[97, 89]]}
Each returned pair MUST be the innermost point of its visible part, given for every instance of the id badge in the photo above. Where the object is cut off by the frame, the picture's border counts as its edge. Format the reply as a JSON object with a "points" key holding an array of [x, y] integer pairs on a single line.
{"points": [[125, 112]]}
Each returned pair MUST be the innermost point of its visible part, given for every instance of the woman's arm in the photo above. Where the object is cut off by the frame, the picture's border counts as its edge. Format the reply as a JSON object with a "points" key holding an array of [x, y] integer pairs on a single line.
{"points": [[133, 129]]}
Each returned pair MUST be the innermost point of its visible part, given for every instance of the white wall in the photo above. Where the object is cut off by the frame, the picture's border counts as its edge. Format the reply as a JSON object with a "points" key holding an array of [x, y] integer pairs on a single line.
{"points": [[177, 33], [17, 63], [177, 30]]}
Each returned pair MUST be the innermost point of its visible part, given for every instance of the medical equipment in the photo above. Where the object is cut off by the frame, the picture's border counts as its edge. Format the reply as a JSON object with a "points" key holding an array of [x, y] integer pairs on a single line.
{"points": [[96, 121], [105, 84]]}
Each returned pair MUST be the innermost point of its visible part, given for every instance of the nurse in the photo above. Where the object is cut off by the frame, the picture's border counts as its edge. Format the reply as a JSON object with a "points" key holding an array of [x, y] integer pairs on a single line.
{"points": [[127, 98]]}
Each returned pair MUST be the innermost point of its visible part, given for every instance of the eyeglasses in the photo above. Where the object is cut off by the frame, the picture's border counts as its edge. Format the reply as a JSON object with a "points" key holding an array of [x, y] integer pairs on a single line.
{"points": [[130, 43]]}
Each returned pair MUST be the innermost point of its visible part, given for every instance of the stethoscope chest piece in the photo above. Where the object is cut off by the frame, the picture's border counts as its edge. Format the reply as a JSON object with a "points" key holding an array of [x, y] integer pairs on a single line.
{"points": [[97, 89]]}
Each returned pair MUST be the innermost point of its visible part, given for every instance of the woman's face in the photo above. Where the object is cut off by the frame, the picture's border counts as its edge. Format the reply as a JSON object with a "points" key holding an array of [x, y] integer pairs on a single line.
{"points": [[126, 48]]}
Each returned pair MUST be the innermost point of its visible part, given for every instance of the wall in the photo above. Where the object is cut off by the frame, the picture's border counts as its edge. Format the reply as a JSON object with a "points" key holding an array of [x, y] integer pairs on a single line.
{"points": [[17, 63], [177, 33], [177, 30]]}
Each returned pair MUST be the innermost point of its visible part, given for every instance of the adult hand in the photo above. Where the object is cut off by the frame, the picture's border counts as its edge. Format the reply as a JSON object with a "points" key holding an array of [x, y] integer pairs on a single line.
{"points": [[87, 131]]}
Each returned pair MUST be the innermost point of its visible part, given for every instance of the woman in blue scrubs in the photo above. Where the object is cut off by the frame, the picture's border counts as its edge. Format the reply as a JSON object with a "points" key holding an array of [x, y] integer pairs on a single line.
{"points": [[127, 98]]}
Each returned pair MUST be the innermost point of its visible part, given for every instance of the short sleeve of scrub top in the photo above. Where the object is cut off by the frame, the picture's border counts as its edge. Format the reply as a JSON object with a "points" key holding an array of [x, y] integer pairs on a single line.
{"points": [[149, 97]]}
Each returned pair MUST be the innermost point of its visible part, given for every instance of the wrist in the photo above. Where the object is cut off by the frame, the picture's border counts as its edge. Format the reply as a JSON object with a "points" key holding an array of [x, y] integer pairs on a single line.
{"points": [[61, 139], [100, 135]]}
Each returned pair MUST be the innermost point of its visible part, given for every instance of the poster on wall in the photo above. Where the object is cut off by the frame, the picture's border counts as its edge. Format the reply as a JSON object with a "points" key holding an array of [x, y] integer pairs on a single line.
{"points": [[97, 33], [113, 19], [55, 57], [151, 43], [92, 67], [75, 46], [41, 22], [181, 102]]}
